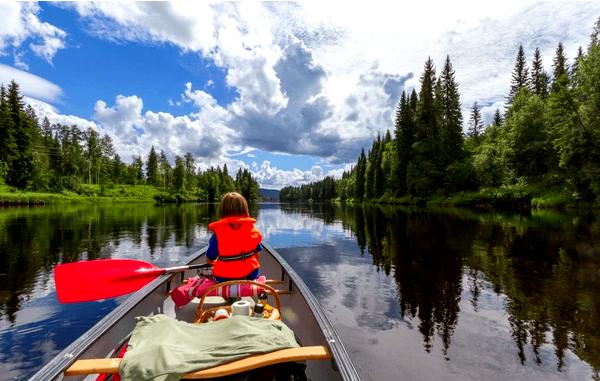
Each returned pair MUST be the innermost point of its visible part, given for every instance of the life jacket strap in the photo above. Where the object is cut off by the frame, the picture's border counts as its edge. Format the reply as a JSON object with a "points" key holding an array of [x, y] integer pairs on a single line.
{"points": [[240, 257]]}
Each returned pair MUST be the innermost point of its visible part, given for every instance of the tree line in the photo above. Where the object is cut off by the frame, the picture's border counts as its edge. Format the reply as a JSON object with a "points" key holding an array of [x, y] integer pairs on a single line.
{"points": [[41, 156], [549, 137]]}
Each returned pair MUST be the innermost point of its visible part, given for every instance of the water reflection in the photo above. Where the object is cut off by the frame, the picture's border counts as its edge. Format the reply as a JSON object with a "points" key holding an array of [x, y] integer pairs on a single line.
{"points": [[429, 294], [32, 241], [544, 265]]}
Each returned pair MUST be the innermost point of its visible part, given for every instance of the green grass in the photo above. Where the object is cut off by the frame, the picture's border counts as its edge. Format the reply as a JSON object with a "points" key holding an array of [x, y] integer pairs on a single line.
{"points": [[87, 193]]}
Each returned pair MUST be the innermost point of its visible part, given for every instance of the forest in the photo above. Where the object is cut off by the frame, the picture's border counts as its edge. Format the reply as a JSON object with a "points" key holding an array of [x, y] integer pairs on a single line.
{"points": [[543, 150], [43, 157]]}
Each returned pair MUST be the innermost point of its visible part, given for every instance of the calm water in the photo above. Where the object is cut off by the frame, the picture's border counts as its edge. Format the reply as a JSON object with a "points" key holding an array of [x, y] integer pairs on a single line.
{"points": [[414, 294]]}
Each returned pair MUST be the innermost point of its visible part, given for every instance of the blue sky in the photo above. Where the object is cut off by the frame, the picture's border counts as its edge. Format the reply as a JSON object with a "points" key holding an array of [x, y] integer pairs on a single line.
{"points": [[290, 91]]}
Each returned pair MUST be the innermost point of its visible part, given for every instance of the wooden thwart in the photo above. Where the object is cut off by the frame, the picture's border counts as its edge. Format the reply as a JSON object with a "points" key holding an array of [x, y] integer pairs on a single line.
{"points": [[111, 365]]}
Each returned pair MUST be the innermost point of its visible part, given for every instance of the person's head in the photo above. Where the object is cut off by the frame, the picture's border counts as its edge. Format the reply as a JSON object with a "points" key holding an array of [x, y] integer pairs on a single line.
{"points": [[233, 204]]}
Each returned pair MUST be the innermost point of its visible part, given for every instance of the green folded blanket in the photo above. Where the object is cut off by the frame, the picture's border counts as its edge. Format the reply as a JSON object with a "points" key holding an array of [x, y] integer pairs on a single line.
{"points": [[163, 349]]}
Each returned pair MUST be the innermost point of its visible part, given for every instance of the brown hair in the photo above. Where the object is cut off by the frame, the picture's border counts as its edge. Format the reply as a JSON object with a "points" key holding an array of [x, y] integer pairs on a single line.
{"points": [[233, 204]]}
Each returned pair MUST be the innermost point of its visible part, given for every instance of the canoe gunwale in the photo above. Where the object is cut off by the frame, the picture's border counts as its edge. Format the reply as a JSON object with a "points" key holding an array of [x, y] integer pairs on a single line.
{"points": [[341, 360]]}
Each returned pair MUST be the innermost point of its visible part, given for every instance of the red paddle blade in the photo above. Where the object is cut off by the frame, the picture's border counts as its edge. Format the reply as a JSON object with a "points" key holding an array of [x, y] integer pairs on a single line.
{"points": [[85, 281]]}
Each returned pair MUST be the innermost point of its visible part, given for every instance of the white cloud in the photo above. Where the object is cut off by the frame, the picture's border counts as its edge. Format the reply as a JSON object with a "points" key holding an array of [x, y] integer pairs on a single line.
{"points": [[44, 109], [134, 132], [269, 176], [20, 23], [313, 80], [31, 85]]}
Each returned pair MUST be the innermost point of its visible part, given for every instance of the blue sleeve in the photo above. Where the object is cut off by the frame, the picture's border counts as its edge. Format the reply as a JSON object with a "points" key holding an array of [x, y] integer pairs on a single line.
{"points": [[259, 248], [212, 253]]}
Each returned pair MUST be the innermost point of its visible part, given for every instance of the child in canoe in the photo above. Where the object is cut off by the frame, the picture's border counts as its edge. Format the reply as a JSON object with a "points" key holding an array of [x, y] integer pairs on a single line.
{"points": [[232, 250]]}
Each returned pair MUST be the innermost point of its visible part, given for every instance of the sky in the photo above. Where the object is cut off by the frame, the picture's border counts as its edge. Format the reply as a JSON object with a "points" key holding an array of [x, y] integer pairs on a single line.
{"points": [[291, 91]]}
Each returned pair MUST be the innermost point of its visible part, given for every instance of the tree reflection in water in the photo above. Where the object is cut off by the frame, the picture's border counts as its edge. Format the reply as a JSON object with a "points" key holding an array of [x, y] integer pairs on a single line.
{"points": [[543, 266], [546, 264]]}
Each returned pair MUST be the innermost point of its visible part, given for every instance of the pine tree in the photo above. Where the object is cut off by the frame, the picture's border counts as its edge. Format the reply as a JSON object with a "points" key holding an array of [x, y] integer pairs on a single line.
{"points": [[398, 180], [414, 100], [378, 179], [190, 170], [93, 154], [370, 172], [539, 78], [179, 174], [560, 68], [117, 169], [152, 168], [138, 169], [165, 170], [520, 75], [8, 147], [497, 118], [578, 134], [573, 73], [475, 122], [46, 131], [21, 166], [359, 184], [451, 116], [425, 170], [595, 36], [426, 118]]}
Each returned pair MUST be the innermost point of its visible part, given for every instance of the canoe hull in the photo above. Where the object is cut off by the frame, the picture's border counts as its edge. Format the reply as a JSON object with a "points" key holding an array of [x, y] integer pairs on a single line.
{"points": [[301, 312]]}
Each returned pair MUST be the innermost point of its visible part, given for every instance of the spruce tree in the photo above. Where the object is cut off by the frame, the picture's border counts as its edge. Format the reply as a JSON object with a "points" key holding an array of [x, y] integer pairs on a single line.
{"points": [[426, 118], [426, 167], [190, 170], [21, 166], [93, 154], [370, 172], [560, 68], [539, 78], [138, 169], [117, 169], [165, 170], [414, 100], [179, 174], [378, 179], [497, 118], [451, 116], [520, 75], [573, 73], [8, 147], [595, 36], [359, 183], [152, 168], [475, 122], [403, 142], [579, 141]]}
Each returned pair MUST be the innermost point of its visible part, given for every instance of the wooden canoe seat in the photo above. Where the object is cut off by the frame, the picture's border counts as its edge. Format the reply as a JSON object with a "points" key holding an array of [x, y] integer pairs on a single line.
{"points": [[111, 365]]}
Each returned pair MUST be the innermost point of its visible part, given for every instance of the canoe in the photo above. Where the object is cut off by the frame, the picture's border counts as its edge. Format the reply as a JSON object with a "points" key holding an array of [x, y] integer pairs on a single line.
{"points": [[321, 349]]}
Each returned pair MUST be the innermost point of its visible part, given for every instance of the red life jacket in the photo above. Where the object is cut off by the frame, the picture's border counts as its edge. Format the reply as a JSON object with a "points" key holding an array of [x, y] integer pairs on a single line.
{"points": [[237, 240]]}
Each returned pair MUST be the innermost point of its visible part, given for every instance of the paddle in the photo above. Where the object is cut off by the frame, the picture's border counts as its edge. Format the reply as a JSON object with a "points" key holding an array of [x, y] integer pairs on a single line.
{"points": [[85, 281]]}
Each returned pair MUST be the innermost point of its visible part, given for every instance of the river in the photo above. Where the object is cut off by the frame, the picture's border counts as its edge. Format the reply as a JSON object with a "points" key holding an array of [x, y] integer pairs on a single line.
{"points": [[415, 294]]}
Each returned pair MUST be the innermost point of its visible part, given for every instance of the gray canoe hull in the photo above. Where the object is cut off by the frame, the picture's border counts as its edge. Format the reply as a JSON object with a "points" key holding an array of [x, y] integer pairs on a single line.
{"points": [[301, 312]]}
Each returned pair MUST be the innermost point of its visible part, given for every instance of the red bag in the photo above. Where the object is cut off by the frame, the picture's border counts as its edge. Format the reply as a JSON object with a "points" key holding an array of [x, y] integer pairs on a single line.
{"points": [[197, 287]]}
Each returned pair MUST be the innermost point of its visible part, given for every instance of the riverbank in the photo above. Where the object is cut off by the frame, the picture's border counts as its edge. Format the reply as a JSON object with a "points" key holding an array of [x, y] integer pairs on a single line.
{"points": [[87, 193], [511, 196]]}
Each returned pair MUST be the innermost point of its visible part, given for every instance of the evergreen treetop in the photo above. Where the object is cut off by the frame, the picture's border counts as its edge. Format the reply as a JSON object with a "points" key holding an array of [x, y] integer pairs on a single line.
{"points": [[520, 75], [476, 121], [539, 78]]}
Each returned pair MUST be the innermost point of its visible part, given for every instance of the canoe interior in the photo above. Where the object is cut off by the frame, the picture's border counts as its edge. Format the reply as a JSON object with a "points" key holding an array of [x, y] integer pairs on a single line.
{"points": [[308, 322]]}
